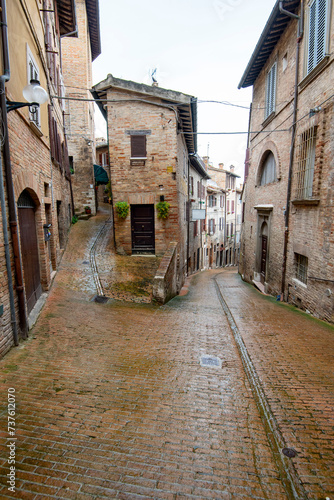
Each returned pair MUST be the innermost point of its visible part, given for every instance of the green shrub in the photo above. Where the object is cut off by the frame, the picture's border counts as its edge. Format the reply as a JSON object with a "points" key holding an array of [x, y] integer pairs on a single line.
{"points": [[163, 209], [122, 209]]}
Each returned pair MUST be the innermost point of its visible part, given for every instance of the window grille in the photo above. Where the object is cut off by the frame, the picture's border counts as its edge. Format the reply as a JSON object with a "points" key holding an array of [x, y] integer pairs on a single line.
{"points": [[271, 90], [305, 164], [301, 267], [317, 37]]}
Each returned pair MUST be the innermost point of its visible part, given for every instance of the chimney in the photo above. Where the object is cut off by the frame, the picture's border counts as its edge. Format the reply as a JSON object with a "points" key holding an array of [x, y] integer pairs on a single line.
{"points": [[231, 168], [221, 166], [155, 84], [206, 161]]}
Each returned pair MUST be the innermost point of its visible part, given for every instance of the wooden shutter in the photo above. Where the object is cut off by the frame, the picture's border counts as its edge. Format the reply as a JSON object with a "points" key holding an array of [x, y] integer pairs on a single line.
{"points": [[317, 33], [271, 90], [138, 146]]}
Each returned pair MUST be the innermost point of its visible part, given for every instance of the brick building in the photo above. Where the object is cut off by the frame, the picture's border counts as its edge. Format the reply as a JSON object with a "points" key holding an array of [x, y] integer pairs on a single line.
{"points": [[228, 223], [78, 52], [287, 235], [35, 186], [196, 247], [151, 132]]}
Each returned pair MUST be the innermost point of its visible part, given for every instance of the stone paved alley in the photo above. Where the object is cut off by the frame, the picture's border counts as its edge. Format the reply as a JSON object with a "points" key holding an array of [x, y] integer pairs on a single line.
{"points": [[122, 400]]}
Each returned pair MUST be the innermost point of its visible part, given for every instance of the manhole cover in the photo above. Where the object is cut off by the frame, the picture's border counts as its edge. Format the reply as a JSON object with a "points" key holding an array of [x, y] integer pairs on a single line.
{"points": [[289, 452], [212, 361], [101, 299]]}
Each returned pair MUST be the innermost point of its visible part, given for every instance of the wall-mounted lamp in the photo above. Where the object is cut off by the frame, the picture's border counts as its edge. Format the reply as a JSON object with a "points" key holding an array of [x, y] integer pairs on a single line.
{"points": [[34, 94], [161, 187]]}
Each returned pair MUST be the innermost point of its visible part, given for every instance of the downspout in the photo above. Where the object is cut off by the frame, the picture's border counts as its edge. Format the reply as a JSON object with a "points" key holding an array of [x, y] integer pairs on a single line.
{"points": [[10, 188], [188, 217], [293, 135]]}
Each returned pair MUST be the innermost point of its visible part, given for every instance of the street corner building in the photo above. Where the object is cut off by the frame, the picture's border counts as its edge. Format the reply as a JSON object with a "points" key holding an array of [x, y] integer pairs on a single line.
{"points": [[287, 245], [152, 132], [35, 184]]}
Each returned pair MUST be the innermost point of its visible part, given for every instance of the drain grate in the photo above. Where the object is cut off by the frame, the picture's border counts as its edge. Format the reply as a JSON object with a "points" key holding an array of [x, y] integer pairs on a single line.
{"points": [[211, 361], [101, 299]]}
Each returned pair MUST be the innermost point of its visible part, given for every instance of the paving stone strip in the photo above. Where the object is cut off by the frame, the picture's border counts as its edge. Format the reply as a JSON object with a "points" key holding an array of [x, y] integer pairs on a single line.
{"points": [[293, 356], [290, 478]]}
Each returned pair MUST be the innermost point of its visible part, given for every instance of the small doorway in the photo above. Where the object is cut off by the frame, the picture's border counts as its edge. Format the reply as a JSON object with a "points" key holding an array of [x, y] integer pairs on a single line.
{"points": [[142, 229], [29, 249], [264, 251]]}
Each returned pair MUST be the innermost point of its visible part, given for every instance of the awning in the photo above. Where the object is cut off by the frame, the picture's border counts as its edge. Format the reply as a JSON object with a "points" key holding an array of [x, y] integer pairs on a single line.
{"points": [[101, 176]]}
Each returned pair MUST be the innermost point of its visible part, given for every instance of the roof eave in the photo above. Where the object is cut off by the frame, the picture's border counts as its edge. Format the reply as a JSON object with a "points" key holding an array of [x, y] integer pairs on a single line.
{"points": [[247, 80], [93, 16]]}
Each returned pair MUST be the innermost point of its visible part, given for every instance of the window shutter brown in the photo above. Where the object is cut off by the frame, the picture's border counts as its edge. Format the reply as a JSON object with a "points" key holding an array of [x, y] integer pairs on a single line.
{"points": [[138, 146]]}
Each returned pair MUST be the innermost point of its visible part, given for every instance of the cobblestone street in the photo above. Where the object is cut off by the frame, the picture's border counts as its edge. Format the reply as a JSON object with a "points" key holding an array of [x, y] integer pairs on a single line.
{"points": [[129, 400]]}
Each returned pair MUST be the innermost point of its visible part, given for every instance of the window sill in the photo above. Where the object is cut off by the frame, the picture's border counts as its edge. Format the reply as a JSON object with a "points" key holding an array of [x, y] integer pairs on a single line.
{"points": [[138, 158], [297, 282], [269, 119], [37, 131], [315, 71], [307, 201]]}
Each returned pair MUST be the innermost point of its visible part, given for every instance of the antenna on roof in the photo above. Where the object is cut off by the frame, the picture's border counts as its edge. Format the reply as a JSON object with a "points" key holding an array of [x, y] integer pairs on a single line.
{"points": [[154, 80]]}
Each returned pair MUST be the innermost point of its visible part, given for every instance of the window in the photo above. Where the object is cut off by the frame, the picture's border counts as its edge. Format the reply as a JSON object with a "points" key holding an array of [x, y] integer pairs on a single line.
{"points": [[271, 90], [195, 228], [305, 164], [104, 159], [228, 206], [191, 186], [301, 267], [268, 174], [138, 146], [232, 209], [33, 74], [317, 33]]}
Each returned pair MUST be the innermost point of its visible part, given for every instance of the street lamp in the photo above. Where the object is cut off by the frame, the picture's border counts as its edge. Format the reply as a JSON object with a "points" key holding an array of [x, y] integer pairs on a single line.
{"points": [[33, 93]]}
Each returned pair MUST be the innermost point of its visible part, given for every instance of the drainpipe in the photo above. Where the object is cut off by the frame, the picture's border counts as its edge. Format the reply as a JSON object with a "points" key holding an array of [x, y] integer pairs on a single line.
{"points": [[10, 188], [188, 217], [293, 135]]}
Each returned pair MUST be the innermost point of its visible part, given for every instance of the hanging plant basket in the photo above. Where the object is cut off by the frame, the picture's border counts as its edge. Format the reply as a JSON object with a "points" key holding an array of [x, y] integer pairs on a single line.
{"points": [[122, 209], [163, 209]]}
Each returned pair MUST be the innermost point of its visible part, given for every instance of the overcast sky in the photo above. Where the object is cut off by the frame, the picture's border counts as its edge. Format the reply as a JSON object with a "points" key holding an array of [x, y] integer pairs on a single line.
{"points": [[199, 47]]}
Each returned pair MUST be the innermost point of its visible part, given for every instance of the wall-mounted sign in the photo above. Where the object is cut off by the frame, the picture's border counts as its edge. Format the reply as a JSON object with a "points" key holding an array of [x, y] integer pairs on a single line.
{"points": [[138, 132], [137, 163], [198, 214], [170, 168]]}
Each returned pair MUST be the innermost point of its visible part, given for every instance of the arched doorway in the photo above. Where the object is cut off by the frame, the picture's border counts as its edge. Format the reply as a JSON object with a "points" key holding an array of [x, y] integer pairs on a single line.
{"points": [[29, 249], [264, 250]]}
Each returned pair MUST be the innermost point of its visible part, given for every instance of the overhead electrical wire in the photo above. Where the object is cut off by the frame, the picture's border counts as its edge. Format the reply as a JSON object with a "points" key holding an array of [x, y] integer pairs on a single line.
{"points": [[193, 133]]}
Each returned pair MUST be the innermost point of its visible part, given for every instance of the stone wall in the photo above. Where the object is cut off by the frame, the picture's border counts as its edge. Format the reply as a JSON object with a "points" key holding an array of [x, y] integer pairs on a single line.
{"points": [[165, 283]]}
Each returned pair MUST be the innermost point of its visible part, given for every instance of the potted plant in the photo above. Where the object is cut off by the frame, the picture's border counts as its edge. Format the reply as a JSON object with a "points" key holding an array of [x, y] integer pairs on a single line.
{"points": [[88, 210], [163, 209], [122, 209]]}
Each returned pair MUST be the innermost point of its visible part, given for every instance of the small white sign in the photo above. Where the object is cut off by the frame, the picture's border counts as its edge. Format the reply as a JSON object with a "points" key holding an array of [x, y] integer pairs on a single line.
{"points": [[198, 214]]}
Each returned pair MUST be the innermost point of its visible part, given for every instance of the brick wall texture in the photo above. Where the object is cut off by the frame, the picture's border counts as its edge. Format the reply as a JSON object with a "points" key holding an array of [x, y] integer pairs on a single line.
{"points": [[34, 171], [310, 225], [77, 70]]}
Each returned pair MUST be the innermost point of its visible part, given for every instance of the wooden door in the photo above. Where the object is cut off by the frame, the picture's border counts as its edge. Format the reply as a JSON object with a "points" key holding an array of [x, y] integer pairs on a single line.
{"points": [[142, 228], [30, 258], [264, 258]]}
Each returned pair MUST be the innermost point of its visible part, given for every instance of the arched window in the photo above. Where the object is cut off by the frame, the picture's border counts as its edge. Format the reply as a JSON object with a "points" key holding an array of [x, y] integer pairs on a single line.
{"points": [[268, 173]]}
